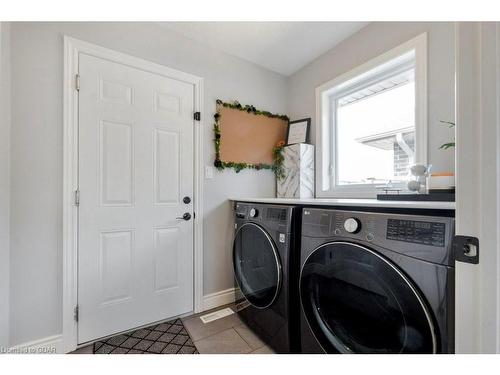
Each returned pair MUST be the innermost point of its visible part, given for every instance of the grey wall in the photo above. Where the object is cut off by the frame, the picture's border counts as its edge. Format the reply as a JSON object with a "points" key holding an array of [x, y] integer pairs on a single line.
{"points": [[36, 140], [37, 150], [4, 181], [371, 41]]}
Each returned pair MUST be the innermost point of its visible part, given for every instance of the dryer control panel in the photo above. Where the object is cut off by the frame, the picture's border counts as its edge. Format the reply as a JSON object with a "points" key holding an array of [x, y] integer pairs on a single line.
{"points": [[271, 216]]}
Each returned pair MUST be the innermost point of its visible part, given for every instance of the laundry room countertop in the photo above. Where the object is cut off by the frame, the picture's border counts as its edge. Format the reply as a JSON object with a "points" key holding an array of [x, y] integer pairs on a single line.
{"points": [[353, 203]]}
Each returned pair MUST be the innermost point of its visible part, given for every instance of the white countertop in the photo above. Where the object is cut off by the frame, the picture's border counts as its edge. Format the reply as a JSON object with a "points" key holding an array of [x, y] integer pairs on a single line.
{"points": [[353, 203]]}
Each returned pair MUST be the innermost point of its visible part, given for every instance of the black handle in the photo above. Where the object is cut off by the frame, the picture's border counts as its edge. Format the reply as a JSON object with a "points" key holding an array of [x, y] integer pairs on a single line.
{"points": [[186, 216]]}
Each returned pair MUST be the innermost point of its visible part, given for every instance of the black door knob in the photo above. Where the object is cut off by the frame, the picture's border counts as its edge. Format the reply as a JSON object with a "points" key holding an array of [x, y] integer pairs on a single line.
{"points": [[186, 200], [186, 216]]}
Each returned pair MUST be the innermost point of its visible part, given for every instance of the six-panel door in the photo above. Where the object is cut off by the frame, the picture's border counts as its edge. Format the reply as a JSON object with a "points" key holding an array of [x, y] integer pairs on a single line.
{"points": [[135, 257]]}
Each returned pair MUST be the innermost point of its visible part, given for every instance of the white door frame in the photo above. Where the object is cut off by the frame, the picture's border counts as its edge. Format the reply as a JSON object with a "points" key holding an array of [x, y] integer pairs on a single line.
{"points": [[477, 317], [72, 49]]}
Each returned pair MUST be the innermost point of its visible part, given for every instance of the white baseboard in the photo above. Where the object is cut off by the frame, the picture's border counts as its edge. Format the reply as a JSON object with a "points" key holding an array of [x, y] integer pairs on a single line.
{"points": [[213, 300], [47, 345]]}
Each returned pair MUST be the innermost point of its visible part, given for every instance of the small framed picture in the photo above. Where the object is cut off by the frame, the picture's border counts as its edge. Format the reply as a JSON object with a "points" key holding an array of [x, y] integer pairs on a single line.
{"points": [[298, 131]]}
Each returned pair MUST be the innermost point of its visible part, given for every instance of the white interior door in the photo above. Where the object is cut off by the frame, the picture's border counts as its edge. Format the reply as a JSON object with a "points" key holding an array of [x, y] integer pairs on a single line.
{"points": [[135, 257], [478, 205]]}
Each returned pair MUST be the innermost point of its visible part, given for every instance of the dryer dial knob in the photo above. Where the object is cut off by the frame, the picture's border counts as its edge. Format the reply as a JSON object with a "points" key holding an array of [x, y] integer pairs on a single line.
{"points": [[352, 225], [254, 212]]}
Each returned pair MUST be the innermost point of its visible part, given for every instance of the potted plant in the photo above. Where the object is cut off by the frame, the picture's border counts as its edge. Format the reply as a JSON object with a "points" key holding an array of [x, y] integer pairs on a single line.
{"points": [[443, 181], [448, 145]]}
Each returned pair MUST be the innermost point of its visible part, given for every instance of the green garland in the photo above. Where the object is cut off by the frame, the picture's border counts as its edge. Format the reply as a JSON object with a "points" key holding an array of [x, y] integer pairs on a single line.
{"points": [[277, 166], [279, 169]]}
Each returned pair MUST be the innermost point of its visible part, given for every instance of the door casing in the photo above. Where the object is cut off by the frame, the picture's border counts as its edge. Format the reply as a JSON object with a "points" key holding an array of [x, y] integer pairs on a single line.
{"points": [[72, 49], [477, 72]]}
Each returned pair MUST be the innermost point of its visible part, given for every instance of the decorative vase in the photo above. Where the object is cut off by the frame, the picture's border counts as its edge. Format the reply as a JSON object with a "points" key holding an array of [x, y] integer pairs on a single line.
{"points": [[298, 180]]}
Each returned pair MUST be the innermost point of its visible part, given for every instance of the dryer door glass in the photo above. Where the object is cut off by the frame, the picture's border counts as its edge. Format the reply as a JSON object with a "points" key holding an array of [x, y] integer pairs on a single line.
{"points": [[257, 266], [356, 301]]}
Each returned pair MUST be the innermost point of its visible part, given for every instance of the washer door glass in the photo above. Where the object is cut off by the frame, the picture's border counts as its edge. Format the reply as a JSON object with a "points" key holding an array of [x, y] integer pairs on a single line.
{"points": [[257, 266], [356, 301]]}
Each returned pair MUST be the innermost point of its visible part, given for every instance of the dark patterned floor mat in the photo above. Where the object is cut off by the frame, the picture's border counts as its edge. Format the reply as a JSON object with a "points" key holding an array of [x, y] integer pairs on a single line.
{"points": [[164, 338]]}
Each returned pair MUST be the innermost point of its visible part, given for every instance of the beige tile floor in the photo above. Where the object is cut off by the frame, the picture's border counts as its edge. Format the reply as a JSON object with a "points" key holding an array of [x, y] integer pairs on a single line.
{"points": [[228, 335]]}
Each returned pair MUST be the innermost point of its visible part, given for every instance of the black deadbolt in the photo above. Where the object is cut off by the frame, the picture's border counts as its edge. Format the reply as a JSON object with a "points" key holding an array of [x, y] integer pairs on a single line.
{"points": [[186, 200]]}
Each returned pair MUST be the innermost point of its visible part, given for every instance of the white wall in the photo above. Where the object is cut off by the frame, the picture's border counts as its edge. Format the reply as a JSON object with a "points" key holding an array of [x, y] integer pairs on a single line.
{"points": [[36, 154], [371, 41], [4, 181]]}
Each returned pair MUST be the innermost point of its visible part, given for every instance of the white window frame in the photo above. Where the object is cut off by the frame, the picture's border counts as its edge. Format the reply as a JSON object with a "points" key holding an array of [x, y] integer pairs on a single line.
{"points": [[326, 152]]}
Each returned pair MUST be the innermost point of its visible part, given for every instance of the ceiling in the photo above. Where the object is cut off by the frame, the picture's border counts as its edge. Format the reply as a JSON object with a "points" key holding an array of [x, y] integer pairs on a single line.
{"points": [[283, 47]]}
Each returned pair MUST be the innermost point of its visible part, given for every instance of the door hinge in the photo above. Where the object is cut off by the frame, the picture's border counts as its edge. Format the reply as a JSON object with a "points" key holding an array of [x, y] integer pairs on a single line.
{"points": [[77, 312], [197, 116], [77, 197], [77, 82], [466, 249]]}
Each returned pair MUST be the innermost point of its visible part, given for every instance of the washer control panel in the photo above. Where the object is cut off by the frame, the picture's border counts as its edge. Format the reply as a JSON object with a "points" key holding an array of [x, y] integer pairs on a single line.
{"points": [[421, 236], [419, 232]]}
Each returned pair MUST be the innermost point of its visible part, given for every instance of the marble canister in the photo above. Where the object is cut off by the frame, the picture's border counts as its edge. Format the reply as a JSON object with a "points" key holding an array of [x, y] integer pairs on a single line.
{"points": [[299, 172]]}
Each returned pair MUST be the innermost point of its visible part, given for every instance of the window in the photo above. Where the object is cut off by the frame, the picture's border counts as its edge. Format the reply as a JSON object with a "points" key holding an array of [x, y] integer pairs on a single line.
{"points": [[372, 123]]}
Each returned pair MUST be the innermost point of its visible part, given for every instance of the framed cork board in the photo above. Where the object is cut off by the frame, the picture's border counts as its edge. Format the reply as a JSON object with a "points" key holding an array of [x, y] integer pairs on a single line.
{"points": [[246, 137]]}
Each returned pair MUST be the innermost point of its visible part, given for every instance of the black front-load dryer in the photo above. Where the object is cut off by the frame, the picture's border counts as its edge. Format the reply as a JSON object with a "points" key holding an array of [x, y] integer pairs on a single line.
{"points": [[265, 261], [373, 282]]}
